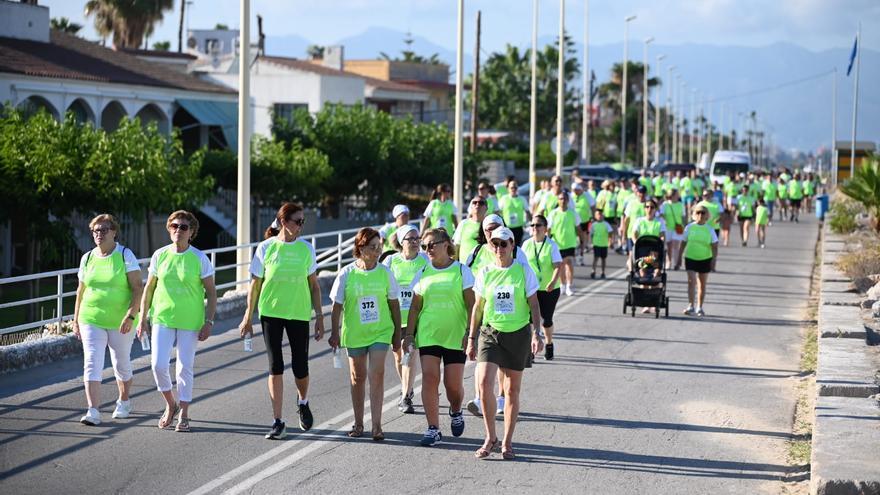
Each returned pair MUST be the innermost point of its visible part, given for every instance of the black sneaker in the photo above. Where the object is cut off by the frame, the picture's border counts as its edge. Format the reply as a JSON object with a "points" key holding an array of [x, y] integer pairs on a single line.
{"points": [[548, 352], [603, 275], [456, 423], [278, 431], [305, 417], [593, 275], [431, 437]]}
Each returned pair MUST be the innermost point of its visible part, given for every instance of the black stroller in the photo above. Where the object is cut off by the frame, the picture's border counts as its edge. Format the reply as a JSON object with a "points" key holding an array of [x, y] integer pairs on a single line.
{"points": [[649, 291]]}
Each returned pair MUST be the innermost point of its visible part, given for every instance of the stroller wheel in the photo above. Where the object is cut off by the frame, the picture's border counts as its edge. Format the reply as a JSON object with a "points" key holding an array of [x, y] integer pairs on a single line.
{"points": [[657, 312], [633, 311], [667, 307]]}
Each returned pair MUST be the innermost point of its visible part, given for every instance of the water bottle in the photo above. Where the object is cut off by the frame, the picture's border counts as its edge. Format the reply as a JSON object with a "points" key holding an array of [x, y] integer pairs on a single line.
{"points": [[145, 342], [337, 359], [248, 344]]}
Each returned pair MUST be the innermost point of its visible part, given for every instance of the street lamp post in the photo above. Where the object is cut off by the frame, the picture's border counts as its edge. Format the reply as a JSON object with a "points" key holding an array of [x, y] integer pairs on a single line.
{"points": [[533, 107], [457, 175], [645, 93], [585, 84], [624, 88], [560, 90], [657, 115], [691, 126], [667, 138], [243, 194]]}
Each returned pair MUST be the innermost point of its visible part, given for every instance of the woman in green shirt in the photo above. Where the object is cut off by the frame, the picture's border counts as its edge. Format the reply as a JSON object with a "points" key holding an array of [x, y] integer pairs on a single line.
{"points": [[106, 308], [467, 234], [366, 322], [513, 211], [700, 248], [441, 212], [546, 261], [438, 320], [180, 279], [406, 264], [284, 287], [745, 213], [506, 317]]}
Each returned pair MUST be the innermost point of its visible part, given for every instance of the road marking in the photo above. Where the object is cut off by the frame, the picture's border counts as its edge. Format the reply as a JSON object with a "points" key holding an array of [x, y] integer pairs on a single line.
{"points": [[278, 466]]}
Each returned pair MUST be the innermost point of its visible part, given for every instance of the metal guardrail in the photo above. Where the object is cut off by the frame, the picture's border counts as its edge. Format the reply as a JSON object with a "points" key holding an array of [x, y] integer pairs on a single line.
{"points": [[341, 244]]}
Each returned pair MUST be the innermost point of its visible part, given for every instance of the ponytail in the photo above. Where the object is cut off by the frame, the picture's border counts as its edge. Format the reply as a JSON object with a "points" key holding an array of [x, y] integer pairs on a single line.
{"points": [[285, 212]]}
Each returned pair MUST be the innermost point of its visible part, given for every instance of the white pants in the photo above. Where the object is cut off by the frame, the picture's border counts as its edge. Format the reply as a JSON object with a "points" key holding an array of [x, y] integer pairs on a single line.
{"points": [[95, 340], [163, 341]]}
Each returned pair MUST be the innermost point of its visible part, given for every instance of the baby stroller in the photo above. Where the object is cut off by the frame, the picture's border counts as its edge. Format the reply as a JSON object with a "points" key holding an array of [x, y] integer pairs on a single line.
{"points": [[649, 291]]}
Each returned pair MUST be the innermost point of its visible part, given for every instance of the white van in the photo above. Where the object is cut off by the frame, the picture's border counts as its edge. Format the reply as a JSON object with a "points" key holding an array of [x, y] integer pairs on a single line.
{"points": [[724, 162]]}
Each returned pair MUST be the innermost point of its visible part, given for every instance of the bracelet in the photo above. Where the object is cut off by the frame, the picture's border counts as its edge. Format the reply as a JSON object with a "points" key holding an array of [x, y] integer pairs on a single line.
{"points": [[209, 321]]}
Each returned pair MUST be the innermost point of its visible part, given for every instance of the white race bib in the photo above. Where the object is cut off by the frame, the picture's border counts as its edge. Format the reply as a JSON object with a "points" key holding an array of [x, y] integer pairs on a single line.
{"points": [[514, 218], [369, 309], [441, 222], [504, 302], [406, 296]]}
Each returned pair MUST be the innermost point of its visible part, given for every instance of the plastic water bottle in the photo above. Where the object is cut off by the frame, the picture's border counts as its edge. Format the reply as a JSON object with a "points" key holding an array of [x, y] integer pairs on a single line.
{"points": [[145, 342], [337, 359], [248, 344]]}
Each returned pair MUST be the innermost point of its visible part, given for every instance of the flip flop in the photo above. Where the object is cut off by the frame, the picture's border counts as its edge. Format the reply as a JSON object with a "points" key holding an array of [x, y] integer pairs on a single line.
{"points": [[378, 436], [182, 425], [508, 455], [357, 431], [163, 423]]}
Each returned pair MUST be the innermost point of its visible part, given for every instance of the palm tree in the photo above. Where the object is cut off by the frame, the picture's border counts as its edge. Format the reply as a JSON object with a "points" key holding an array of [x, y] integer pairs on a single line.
{"points": [[411, 56], [64, 24], [129, 21]]}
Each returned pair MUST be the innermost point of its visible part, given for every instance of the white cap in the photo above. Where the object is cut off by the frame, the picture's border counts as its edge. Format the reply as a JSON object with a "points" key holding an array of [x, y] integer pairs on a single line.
{"points": [[399, 210], [406, 229], [502, 233], [577, 185], [492, 219]]}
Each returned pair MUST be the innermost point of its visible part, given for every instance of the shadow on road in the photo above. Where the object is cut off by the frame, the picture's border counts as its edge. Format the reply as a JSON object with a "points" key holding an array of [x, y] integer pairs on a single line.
{"points": [[674, 367]]}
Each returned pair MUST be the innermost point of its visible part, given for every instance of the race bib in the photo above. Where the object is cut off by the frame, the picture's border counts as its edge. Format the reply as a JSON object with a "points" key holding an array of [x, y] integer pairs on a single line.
{"points": [[369, 309], [504, 302], [406, 296], [441, 222], [514, 218]]}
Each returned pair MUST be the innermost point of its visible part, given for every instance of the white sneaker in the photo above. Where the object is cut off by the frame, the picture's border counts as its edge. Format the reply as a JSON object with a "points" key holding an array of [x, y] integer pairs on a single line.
{"points": [[500, 404], [689, 311], [475, 407], [92, 417], [123, 409], [700, 312], [568, 291]]}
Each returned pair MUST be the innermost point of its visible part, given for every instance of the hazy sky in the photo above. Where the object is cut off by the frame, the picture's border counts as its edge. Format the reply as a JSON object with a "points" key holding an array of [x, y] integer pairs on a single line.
{"points": [[814, 24]]}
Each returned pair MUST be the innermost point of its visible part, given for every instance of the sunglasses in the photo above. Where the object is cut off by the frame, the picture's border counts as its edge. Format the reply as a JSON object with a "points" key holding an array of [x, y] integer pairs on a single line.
{"points": [[649, 207], [500, 244], [430, 245], [700, 212], [298, 221], [478, 203], [101, 230], [179, 226], [536, 225]]}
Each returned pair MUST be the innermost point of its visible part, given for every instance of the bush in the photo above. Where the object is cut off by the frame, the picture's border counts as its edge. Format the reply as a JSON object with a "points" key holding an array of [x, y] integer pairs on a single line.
{"points": [[843, 213], [863, 259]]}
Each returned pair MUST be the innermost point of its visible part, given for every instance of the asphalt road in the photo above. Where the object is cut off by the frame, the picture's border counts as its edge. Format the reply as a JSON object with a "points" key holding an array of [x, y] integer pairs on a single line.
{"points": [[630, 405]]}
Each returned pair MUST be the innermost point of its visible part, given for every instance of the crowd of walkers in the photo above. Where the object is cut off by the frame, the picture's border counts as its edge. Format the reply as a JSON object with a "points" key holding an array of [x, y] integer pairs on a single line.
{"points": [[483, 289]]}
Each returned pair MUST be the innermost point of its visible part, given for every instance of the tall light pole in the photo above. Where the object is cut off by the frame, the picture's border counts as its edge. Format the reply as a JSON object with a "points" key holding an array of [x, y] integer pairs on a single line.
{"points": [[701, 122], [645, 94], [657, 115], [833, 167], [855, 119], [721, 128], [243, 193], [457, 175], [682, 102], [624, 88], [666, 137], [691, 126], [533, 182], [560, 90], [585, 83]]}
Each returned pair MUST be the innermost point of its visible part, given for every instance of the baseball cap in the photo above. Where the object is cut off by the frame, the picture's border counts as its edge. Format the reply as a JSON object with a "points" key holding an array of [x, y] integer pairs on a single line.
{"points": [[643, 189], [399, 210], [492, 219], [503, 234], [576, 186]]}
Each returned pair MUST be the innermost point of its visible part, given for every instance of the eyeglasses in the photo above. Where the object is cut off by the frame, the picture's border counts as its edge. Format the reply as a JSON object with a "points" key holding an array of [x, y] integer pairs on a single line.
{"points": [[411, 240], [179, 226], [649, 207], [499, 244], [478, 203], [101, 230], [298, 221], [431, 245], [536, 225]]}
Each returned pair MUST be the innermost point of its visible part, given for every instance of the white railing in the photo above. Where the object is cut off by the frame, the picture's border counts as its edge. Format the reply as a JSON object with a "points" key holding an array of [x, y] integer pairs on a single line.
{"points": [[335, 251]]}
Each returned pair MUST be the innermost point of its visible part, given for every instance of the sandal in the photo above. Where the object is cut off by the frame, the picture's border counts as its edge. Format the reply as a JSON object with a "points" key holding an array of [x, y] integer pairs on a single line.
{"points": [[165, 423], [357, 431], [484, 451], [508, 455], [378, 436], [182, 425]]}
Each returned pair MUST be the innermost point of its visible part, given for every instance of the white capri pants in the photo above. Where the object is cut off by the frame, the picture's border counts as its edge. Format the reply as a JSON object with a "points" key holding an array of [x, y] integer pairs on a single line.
{"points": [[95, 340], [163, 341]]}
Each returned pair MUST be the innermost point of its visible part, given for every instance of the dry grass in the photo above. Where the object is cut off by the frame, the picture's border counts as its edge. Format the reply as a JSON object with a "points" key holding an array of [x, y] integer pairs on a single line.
{"points": [[862, 257]]}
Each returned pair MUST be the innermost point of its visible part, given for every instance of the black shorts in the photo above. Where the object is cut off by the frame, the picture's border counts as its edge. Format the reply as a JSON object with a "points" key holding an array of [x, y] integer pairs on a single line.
{"points": [[613, 221], [297, 337], [744, 218], [566, 253], [547, 302], [600, 252], [795, 202], [447, 356], [585, 227], [699, 266]]}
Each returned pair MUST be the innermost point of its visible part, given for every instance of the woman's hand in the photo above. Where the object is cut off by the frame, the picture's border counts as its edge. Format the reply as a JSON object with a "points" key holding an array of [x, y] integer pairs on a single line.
{"points": [[319, 328], [205, 332], [471, 349], [406, 343], [76, 330], [333, 341], [395, 343], [550, 286], [143, 329], [125, 326], [537, 343], [246, 327]]}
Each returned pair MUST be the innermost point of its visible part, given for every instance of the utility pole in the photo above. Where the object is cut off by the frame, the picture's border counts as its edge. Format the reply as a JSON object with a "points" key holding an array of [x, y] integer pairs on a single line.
{"points": [[645, 93], [243, 193], [657, 115], [457, 175], [667, 124], [855, 119], [560, 91], [587, 90], [691, 126], [833, 154], [475, 90], [533, 181], [624, 89], [701, 128]]}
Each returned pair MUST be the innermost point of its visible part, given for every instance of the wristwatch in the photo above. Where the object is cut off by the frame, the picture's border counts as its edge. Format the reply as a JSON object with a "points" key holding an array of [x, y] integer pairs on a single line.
{"points": [[209, 321], [131, 317]]}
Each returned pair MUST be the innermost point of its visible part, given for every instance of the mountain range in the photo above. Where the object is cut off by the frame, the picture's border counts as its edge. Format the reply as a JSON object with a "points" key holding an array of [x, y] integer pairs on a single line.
{"points": [[788, 86]]}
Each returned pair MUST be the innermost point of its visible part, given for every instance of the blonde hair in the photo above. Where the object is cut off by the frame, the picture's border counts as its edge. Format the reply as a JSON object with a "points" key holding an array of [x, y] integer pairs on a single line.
{"points": [[185, 215], [105, 218], [441, 235]]}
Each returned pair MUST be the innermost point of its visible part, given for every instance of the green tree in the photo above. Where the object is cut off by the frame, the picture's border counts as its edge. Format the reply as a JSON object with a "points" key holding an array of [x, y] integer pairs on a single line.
{"points": [[128, 21], [162, 46], [864, 187], [64, 24]]}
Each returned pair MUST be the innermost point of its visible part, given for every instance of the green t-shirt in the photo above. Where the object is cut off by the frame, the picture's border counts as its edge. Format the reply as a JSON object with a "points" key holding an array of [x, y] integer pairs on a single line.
{"points": [[770, 191], [179, 298], [686, 187], [607, 202], [673, 214], [634, 209], [563, 228], [388, 232], [599, 232], [795, 190], [699, 240], [644, 226], [405, 272], [506, 292], [107, 295], [745, 205], [441, 215], [492, 204], [513, 211], [809, 187], [366, 314], [443, 318], [285, 268], [714, 213], [647, 184], [622, 196], [542, 256], [582, 207], [762, 215], [466, 237]]}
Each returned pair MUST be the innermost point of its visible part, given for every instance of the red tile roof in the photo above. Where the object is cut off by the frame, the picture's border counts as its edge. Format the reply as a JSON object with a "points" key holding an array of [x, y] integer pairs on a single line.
{"points": [[305, 65], [69, 57]]}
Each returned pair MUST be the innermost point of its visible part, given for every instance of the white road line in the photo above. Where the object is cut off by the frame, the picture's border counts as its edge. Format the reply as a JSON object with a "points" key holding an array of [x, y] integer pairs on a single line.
{"points": [[278, 466]]}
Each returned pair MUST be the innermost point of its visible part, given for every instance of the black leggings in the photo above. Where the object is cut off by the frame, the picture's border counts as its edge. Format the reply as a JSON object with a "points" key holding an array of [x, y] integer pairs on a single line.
{"points": [[297, 337], [547, 302]]}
